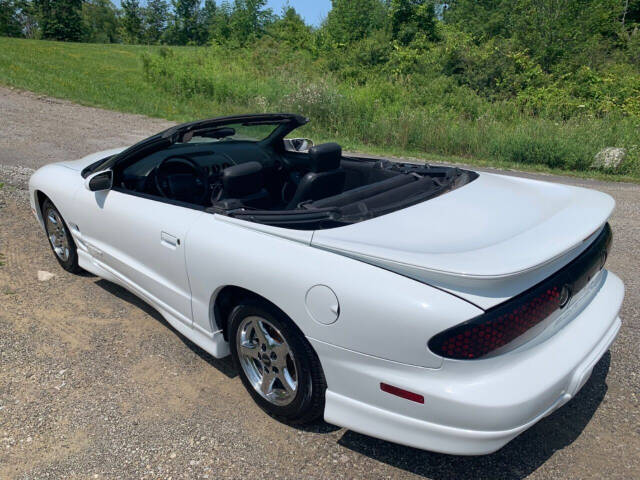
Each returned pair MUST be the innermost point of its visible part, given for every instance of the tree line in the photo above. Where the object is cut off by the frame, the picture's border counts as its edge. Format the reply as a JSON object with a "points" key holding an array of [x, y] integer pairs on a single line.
{"points": [[175, 22], [547, 24]]}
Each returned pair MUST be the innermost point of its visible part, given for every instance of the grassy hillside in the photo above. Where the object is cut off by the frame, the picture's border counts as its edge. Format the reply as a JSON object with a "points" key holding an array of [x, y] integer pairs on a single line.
{"points": [[108, 76], [433, 121]]}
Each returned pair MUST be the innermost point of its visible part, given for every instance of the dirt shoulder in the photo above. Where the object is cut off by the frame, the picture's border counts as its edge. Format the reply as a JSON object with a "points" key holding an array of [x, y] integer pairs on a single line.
{"points": [[94, 384]]}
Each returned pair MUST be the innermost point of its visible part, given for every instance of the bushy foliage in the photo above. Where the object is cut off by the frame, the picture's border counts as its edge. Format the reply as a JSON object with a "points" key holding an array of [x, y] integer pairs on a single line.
{"points": [[291, 29], [412, 18], [131, 23], [248, 20], [186, 27], [100, 19], [9, 18], [155, 18], [60, 19], [551, 30], [425, 111], [352, 20]]}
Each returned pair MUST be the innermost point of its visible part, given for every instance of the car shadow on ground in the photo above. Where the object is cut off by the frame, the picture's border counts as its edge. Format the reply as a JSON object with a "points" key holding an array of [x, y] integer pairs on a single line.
{"points": [[224, 365], [516, 460]]}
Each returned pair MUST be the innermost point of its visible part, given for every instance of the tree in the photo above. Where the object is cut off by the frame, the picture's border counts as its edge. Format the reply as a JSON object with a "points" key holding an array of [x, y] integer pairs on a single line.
{"points": [[28, 17], [352, 20], [131, 22], [557, 29], [249, 20], [186, 25], [217, 22], [631, 14], [551, 30], [410, 18], [290, 28], [10, 25], [60, 19], [155, 17], [101, 21], [208, 14]]}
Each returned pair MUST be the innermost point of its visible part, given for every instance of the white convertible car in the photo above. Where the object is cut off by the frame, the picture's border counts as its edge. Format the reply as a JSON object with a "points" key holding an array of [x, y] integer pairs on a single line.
{"points": [[434, 307]]}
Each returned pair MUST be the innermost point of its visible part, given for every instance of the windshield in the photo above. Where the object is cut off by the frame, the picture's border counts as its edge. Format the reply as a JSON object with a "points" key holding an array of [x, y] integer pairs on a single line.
{"points": [[267, 127], [244, 132]]}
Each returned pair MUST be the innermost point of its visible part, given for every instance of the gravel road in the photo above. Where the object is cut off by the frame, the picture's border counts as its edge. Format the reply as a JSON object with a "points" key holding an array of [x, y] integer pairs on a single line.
{"points": [[94, 384]]}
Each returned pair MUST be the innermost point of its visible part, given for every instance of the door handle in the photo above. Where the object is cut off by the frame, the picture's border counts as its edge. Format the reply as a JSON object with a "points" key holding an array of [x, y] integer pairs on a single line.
{"points": [[169, 240]]}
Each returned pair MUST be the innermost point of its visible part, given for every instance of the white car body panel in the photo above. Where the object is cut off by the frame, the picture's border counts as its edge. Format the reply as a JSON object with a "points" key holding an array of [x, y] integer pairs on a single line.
{"points": [[283, 272], [398, 283], [141, 239]]}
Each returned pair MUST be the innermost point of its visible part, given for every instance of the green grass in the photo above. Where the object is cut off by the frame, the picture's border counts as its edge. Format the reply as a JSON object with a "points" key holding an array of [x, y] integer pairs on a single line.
{"points": [[187, 83], [107, 76]]}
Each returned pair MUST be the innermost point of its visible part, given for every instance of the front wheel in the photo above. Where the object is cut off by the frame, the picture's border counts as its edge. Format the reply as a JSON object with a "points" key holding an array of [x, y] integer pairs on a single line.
{"points": [[276, 363], [59, 237]]}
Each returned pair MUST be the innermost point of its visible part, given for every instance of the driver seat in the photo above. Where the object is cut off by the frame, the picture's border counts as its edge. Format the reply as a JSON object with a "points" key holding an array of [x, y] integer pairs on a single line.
{"points": [[243, 185], [325, 179]]}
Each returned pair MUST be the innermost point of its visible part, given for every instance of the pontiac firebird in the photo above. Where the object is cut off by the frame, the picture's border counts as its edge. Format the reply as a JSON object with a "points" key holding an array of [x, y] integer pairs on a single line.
{"points": [[431, 306]]}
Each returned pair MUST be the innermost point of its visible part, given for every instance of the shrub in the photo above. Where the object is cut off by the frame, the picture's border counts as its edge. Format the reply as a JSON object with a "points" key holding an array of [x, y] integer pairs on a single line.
{"points": [[408, 103]]}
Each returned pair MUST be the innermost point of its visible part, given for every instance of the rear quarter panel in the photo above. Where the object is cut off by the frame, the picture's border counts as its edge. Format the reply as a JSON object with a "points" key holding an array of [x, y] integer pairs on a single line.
{"points": [[381, 313]]}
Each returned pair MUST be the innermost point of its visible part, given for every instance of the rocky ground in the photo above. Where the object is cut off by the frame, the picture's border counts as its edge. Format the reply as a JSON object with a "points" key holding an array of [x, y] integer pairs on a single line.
{"points": [[94, 384]]}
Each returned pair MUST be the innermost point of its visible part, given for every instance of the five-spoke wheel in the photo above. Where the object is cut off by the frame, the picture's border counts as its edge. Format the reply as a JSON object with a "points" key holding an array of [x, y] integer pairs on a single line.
{"points": [[57, 234], [276, 363], [59, 237], [267, 360]]}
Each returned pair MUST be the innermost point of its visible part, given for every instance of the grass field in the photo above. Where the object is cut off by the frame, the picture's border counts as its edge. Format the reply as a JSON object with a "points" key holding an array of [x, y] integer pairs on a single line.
{"points": [[113, 77]]}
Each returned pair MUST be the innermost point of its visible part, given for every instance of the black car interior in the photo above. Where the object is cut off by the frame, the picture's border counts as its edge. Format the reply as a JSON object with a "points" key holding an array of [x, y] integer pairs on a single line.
{"points": [[261, 181], [324, 178]]}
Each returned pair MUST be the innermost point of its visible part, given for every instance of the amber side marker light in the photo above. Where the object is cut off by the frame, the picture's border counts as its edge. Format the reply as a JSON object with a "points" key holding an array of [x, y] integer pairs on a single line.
{"points": [[399, 392]]}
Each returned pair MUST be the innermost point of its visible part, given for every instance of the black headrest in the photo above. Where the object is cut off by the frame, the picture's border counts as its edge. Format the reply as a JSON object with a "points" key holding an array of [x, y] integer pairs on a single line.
{"points": [[325, 157], [242, 180]]}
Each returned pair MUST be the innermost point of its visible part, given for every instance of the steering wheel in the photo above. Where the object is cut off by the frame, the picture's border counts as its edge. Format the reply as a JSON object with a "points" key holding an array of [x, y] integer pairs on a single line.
{"points": [[175, 186]]}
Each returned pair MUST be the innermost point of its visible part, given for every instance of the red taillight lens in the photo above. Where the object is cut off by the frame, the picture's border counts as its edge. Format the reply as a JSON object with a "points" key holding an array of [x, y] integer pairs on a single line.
{"points": [[482, 338], [399, 392], [502, 324]]}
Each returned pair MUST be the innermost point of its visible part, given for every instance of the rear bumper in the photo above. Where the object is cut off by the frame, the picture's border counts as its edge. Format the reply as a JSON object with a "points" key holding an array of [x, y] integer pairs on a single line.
{"points": [[475, 407]]}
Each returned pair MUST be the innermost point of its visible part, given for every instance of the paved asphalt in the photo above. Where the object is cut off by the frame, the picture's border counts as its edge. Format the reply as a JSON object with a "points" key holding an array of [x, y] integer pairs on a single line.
{"points": [[94, 384]]}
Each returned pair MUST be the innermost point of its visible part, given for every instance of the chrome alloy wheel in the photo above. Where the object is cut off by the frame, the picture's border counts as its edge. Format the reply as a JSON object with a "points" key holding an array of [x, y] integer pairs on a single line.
{"points": [[57, 235], [267, 360]]}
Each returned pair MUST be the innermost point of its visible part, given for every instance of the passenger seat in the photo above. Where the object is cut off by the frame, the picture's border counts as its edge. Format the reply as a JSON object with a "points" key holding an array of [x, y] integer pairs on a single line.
{"points": [[325, 179]]}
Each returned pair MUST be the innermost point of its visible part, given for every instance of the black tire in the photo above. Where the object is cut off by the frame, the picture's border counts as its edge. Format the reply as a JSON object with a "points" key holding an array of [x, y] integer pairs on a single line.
{"points": [[70, 264], [308, 403]]}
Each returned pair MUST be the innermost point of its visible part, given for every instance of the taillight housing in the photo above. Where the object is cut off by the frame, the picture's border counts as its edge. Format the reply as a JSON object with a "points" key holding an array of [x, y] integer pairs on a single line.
{"points": [[503, 323]]}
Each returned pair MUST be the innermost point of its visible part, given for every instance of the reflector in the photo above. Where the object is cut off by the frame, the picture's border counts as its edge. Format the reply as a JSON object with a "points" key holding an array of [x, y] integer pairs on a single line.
{"points": [[399, 392]]}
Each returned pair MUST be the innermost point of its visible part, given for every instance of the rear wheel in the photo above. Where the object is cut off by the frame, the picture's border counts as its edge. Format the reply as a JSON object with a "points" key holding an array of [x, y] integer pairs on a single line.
{"points": [[59, 237], [276, 363]]}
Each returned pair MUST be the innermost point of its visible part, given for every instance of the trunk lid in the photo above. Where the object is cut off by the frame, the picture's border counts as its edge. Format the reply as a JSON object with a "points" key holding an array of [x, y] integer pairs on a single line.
{"points": [[486, 241]]}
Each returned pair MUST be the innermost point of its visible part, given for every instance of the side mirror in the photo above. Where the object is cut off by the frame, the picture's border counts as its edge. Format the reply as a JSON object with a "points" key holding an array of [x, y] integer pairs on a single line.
{"points": [[301, 145], [99, 181]]}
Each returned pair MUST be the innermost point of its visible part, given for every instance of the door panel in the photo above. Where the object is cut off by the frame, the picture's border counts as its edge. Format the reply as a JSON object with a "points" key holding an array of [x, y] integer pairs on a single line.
{"points": [[142, 240]]}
